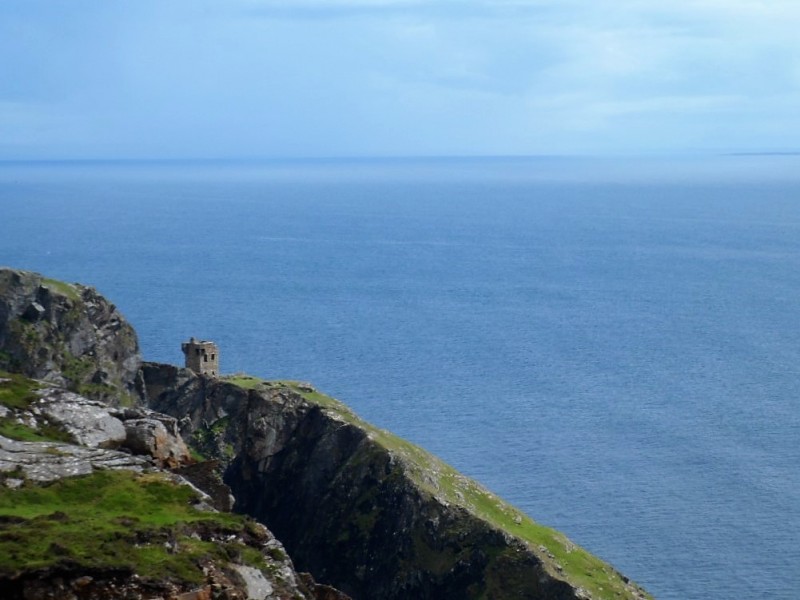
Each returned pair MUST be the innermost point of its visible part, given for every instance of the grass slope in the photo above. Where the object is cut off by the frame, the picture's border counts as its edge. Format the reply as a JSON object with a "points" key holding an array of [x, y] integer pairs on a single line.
{"points": [[115, 520]]}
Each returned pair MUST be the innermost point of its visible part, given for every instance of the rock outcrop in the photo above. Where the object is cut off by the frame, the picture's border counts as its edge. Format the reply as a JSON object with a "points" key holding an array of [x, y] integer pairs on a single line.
{"points": [[66, 334], [51, 461], [88, 422], [365, 511]]}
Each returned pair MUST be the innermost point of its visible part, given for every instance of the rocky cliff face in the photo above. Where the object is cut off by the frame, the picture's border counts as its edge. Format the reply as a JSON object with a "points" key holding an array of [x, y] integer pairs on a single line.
{"points": [[66, 334], [365, 511]]}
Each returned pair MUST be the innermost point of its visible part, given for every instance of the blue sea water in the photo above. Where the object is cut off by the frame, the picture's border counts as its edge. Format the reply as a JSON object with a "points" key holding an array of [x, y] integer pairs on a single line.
{"points": [[611, 345]]}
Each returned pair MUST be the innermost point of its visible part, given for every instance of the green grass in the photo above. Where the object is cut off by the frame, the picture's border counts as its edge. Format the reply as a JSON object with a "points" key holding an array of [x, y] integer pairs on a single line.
{"points": [[209, 442], [196, 455], [76, 369], [44, 433], [97, 390], [115, 519], [60, 287], [18, 391], [243, 381]]}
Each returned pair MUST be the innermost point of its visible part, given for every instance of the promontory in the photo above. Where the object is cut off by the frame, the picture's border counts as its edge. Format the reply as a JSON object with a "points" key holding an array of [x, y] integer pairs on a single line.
{"points": [[121, 478]]}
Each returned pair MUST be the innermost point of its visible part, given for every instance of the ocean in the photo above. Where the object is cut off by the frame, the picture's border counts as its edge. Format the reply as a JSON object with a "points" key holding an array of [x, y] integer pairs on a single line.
{"points": [[612, 345]]}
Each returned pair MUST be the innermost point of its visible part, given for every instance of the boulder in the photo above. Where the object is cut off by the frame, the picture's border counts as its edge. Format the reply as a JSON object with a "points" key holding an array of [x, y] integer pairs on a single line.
{"points": [[150, 436], [87, 421]]}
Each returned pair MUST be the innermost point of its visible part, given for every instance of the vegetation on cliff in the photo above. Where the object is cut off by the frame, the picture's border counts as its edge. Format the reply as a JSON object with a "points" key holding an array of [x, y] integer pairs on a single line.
{"points": [[142, 523], [87, 506], [18, 393]]}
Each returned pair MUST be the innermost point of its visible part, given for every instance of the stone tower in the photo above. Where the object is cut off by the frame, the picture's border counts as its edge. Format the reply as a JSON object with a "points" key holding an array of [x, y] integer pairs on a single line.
{"points": [[202, 357]]}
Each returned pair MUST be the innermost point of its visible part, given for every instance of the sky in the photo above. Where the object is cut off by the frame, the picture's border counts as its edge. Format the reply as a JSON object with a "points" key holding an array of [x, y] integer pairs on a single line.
{"points": [[172, 79]]}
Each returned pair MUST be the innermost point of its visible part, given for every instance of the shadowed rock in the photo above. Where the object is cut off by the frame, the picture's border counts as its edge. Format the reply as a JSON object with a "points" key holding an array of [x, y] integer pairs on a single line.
{"points": [[369, 513]]}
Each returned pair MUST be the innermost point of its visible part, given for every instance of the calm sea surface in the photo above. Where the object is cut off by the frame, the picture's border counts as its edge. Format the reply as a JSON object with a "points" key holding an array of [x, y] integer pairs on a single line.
{"points": [[613, 346]]}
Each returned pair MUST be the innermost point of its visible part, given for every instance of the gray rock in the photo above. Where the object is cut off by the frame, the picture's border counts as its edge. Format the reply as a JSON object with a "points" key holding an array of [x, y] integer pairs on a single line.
{"points": [[34, 312], [49, 461], [257, 586], [87, 421], [66, 334], [150, 436]]}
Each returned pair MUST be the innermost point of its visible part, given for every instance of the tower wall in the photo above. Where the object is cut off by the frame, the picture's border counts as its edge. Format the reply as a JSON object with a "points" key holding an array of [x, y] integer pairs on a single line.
{"points": [[202, 356]]}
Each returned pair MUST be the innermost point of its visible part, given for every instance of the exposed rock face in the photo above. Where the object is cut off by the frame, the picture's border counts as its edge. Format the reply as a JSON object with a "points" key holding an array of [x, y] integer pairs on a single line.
{"points": [[88, 422], [50, 461], [66, 334], [366, 512], [206, 476], [81, 435]]}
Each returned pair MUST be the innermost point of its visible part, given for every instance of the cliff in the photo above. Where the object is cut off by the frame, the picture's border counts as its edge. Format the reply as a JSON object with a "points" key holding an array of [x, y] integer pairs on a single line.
{"points": [[365, 511], [360, 509]]}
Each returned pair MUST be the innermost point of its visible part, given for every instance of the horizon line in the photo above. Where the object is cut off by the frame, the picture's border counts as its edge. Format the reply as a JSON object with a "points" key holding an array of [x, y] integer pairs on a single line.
{"points": [[400, 157]]}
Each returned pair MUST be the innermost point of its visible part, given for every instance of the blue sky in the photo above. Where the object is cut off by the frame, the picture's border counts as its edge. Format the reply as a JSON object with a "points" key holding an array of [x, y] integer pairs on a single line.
{"points": [[260, 78]]}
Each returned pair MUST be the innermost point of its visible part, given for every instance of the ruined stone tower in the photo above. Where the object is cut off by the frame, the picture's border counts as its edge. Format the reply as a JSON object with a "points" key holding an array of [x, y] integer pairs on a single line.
{"points": [[202, 356]]}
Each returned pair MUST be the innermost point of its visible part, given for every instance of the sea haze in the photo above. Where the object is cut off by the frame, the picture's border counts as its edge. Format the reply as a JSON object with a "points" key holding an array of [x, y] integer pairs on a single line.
{"points": [[611, 345]]}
